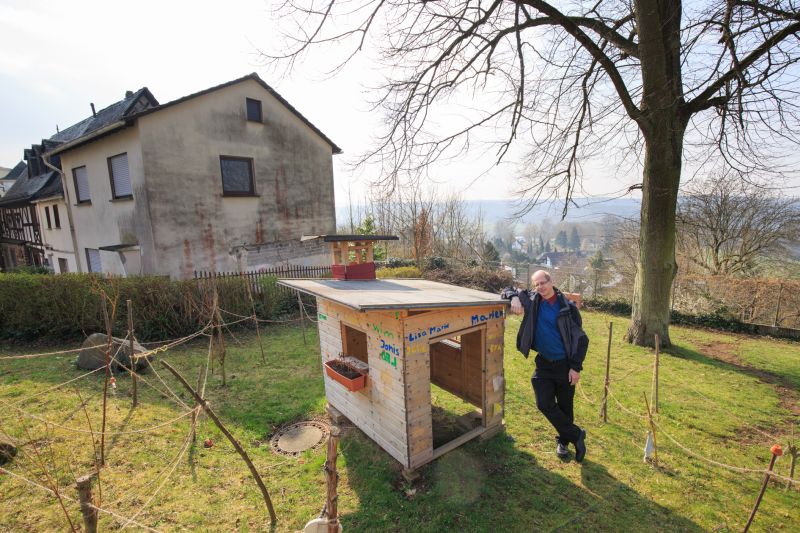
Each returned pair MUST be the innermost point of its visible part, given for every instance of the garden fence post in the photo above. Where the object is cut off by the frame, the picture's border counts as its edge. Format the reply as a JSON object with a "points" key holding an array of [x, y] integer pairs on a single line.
{"points": [[776, 452], [133, 361], [332, 477], [778, 306], [652, 431], [655, 374], [88, 510], [604, 406]]}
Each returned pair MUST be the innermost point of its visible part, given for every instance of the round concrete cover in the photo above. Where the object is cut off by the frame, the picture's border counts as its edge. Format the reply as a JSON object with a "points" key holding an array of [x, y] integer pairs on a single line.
{"points": [[299, 437]]}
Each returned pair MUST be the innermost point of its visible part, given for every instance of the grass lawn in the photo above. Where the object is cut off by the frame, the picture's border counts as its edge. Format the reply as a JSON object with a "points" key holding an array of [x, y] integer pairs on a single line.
{"points": [[726, 397]]}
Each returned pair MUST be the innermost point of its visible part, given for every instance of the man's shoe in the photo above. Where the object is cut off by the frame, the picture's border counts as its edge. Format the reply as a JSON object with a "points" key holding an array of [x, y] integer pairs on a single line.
{"points": [[561, 449], [580, 447]]}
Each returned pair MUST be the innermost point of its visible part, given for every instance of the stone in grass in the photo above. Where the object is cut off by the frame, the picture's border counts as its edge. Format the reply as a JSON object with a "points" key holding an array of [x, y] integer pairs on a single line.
{"points": [[7, 450], [93, 353]]}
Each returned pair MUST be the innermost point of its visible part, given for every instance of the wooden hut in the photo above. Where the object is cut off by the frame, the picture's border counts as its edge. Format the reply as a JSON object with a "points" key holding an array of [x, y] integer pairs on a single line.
{"points": [[398, 337]]}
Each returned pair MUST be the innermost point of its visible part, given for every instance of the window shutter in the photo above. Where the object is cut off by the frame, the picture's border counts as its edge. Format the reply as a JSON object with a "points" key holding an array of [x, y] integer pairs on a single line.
{"points": [[93, 259], [121, 176], [82, 183]]}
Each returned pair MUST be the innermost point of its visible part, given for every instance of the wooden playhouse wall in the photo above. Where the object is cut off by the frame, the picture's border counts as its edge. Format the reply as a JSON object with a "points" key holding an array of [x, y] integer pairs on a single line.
{"points": [[419, 331], [379, 409]]}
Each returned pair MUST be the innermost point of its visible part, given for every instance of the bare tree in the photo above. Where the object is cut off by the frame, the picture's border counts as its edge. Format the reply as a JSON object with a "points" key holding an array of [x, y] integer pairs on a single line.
{"points": [[725, 224], [570, 80]]}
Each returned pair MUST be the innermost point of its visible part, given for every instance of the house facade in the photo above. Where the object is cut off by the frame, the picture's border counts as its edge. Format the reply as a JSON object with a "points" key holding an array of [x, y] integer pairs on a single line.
{"points": [[226, 179]]}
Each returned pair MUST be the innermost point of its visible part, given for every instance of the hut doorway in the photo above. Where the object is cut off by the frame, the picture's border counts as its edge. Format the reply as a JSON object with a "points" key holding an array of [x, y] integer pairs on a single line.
{"points": [[457, 363]]}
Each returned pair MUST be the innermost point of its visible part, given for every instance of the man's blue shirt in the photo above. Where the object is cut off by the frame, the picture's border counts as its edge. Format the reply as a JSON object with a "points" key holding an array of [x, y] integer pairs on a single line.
{"points": [[547, 340]]}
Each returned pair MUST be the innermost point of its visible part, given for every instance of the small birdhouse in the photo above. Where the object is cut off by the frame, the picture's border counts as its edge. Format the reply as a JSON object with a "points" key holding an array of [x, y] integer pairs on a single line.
{"points": [[353, 255]]}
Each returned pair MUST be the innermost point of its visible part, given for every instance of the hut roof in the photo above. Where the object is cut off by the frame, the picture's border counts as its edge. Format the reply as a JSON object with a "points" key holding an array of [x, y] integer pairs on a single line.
{"points": [[393, 293]]}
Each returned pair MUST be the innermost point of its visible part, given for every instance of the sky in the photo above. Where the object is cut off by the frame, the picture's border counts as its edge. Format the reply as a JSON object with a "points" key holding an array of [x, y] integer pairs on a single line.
{"points": [[59, 56]]}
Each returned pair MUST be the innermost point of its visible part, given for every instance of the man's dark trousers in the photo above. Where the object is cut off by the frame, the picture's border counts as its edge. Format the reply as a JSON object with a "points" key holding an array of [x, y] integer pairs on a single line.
{"points": [[554, 396]]}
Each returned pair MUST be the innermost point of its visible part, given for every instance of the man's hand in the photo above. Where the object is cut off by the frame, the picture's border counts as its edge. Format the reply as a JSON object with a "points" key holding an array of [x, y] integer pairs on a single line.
{"points": [[574, 377], [516, 306]]}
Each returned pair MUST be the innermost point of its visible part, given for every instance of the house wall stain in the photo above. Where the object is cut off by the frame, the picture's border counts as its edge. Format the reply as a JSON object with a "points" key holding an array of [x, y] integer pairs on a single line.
{"points": [[293, 170]]}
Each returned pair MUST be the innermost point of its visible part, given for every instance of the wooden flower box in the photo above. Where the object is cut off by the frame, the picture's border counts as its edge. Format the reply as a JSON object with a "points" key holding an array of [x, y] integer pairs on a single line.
{"points": [[343, 372]]}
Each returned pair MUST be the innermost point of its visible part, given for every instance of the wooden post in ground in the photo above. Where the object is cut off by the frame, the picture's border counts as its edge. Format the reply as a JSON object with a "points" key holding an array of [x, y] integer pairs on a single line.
{"points": [[332, 478], [201, 390], [230, 437], [89, 512], [134, 377], [217, 329], [604, 406], [302, 320], [248, 280], [776, 452], [105, 384], [652, 429], [655, 374], [778, 307]]}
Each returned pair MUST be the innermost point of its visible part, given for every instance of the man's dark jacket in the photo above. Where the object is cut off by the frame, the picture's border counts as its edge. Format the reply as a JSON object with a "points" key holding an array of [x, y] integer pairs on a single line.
{"points": [[568, 321]]}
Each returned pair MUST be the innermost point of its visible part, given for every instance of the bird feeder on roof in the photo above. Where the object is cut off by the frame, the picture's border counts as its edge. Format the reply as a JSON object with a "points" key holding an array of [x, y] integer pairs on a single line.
{"points": [[353, 255], [403, 339]]}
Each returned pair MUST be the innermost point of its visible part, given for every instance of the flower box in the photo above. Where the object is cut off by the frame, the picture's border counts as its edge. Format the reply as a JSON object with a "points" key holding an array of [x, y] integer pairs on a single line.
{"points": [[348, 375]]}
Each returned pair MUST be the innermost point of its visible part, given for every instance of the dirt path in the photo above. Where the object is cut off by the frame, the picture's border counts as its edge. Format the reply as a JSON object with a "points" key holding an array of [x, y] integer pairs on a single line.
{"points": [[789, 397]]}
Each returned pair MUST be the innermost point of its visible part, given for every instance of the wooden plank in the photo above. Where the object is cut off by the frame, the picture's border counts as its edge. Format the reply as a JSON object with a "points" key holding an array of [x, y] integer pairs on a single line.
{"points": [[458, 441]]}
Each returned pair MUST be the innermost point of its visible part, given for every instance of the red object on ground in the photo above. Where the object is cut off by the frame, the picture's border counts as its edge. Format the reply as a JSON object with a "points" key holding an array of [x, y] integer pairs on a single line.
{"points": [[351, 384], [354, 271], [208, 443]]}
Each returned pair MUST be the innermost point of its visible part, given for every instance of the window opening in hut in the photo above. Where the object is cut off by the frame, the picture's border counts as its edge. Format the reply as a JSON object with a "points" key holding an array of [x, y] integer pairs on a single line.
{"points": [[354, 343], [456, 385]]}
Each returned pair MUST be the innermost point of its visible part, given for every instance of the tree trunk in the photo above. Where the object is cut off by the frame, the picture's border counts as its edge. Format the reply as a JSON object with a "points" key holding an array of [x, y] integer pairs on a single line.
{"points": [[656, 267], [663, 123]]}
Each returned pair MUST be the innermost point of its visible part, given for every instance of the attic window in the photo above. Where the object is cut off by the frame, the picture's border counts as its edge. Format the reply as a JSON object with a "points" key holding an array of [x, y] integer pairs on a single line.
{"points": [[254, 110]]}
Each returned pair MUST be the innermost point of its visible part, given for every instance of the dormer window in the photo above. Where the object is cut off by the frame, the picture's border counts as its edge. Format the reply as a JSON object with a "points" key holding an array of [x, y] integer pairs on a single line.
{"points": [[254, 110]]}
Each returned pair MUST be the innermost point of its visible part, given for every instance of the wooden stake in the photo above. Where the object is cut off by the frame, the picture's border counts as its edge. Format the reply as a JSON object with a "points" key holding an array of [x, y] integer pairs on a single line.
{"points": [[302, 320], [89, 512], [652, 429], [230, 437], [220, 336], [201, 390], [255, 319], [332, 477], [134, 377], [105, 384], [604, 406], [655, 375], [776, 451]]}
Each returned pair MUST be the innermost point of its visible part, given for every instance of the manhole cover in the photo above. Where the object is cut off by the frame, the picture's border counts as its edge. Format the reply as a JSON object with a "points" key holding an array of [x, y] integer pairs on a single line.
{"points": [[299, 437]]}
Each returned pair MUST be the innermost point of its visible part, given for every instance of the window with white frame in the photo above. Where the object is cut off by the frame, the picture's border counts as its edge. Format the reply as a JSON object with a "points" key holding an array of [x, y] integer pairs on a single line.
{"points": [[93, 260], [81, 185], [120, 176]]}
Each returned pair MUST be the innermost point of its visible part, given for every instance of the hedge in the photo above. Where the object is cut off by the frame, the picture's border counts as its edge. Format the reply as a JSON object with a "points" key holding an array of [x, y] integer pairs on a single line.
{"points": [[69, 305]]}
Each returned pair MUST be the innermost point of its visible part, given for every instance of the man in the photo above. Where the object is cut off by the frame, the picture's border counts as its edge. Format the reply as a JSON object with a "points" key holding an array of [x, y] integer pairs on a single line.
{"points": [[552, 326]]}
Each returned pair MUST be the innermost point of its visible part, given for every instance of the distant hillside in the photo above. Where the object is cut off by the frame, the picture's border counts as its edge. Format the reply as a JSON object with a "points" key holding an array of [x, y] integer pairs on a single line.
{"points": [[588, 210]]}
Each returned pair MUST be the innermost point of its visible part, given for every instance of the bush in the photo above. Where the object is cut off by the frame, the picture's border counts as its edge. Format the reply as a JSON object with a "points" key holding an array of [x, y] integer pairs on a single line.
{"points": [[482, 279], [395, 262], [399, 272], [435, 263], [616, 306], [69, 305]]}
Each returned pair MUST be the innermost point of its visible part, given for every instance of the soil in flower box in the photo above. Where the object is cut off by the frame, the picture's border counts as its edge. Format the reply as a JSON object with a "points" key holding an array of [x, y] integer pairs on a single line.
{"points": [[344, 370]]}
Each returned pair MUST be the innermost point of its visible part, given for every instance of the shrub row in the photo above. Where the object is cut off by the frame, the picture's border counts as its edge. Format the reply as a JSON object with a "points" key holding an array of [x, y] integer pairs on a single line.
{"points": [[70, 305], [719, 318]]}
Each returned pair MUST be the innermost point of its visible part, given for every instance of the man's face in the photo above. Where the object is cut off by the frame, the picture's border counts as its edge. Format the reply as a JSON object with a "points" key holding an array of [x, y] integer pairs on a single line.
{"points": [[543, 285]]}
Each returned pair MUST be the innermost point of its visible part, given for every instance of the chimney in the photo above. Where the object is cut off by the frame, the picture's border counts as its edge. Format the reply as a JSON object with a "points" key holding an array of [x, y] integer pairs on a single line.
{"points": [[94, 113], [128, 94]]}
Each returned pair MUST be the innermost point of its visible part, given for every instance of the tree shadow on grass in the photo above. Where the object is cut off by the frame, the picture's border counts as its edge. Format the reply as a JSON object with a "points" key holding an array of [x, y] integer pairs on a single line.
{"points": [[492, 486]]}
